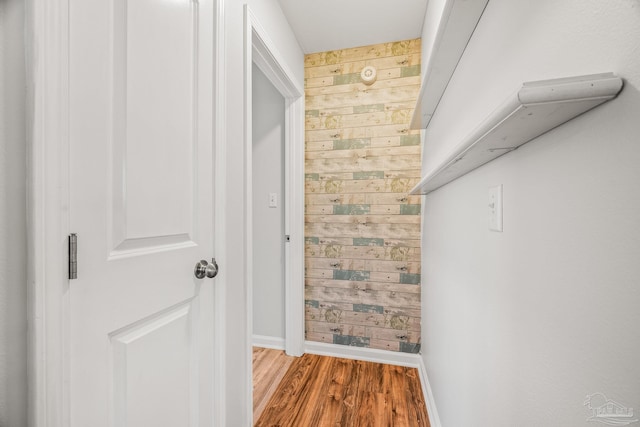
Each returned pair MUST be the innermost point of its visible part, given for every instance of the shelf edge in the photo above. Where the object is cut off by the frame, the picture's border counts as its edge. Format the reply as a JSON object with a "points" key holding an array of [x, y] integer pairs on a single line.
{"points": [[590, 90]]}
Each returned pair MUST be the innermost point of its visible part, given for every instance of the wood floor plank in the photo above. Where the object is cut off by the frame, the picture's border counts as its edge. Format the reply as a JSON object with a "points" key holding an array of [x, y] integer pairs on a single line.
{"points": [[400, 413], [418, 407], [320, 391], [292, 393], [308, 402], [352, 395], [269, 366], [331, 408]]}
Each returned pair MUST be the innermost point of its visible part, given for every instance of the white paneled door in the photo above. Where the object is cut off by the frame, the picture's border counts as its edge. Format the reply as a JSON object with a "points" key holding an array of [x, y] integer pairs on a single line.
{"points": [[141, 332]]}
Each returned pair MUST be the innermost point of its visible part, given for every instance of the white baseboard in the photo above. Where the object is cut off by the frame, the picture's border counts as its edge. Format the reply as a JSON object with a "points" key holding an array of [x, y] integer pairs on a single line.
{"points": [[434, 419], [263, 341], [362, 353]]}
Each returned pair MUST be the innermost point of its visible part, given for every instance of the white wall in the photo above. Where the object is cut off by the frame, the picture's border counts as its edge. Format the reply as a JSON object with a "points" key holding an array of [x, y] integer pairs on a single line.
{"points": [[237, 350], [13, 296], [268, 222], [520, 326]]}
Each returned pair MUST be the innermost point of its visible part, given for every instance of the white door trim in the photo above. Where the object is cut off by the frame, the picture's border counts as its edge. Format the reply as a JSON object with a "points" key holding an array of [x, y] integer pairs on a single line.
{"points": [[48, 225], [47, 27], [220, 219], [260, 49]]}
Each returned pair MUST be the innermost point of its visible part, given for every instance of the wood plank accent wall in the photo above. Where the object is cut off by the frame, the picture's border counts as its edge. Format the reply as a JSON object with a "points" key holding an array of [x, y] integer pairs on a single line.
{"points": [[362, 229]]}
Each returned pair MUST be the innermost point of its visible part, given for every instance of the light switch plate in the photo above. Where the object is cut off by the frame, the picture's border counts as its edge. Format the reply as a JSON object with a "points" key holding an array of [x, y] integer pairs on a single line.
{"points": [[273, 200], [495, 208]]}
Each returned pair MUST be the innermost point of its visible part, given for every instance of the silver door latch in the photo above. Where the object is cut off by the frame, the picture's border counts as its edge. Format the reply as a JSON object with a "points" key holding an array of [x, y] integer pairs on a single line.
{"points": [[73, 256]]}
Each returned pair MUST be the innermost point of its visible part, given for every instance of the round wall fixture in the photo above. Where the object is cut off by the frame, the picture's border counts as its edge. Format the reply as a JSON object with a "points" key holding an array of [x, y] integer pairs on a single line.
{"points": [[368, 75]]}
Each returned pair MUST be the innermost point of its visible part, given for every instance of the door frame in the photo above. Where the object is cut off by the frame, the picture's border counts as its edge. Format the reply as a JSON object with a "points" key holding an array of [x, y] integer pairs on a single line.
{"points": [[48, 115], [260, 49]]}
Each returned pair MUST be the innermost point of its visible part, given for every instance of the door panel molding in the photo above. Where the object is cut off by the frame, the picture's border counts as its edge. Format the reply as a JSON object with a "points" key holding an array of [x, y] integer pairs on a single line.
{"points": [[131, 366], [167, 39], [142, 246]]}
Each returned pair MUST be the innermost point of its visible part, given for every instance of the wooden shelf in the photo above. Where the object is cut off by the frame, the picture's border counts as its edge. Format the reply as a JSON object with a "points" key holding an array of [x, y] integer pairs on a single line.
{"points": [[533, 110], [456, 25]]}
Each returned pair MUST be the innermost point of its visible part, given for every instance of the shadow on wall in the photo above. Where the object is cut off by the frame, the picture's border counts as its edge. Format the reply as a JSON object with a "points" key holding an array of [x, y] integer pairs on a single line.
{"points": [[13, 214]]}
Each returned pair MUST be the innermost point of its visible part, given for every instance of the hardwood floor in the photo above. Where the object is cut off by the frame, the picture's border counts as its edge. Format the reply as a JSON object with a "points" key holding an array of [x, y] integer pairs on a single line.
{"points": [[269, 366], [319, 391]]}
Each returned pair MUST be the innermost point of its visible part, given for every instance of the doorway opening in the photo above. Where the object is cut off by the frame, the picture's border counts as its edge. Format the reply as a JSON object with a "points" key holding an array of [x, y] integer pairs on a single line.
{"points": [[261, 51], [269, 237]]}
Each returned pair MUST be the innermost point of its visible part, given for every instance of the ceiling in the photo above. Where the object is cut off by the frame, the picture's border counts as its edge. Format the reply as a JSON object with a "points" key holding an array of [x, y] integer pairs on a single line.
{"points": [[322, 25]]}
